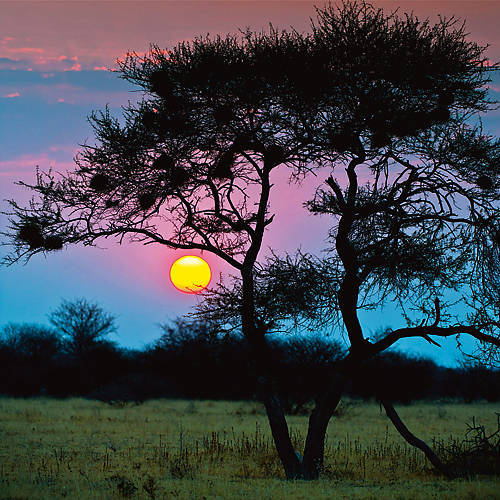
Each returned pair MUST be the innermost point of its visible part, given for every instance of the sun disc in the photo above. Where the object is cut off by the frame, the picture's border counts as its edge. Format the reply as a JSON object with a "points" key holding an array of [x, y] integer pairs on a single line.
{"points": [[190, 274]]}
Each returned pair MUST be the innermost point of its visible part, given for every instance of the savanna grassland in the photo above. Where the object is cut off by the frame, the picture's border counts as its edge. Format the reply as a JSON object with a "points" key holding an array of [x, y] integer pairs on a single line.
{"points": [[76, 448]]}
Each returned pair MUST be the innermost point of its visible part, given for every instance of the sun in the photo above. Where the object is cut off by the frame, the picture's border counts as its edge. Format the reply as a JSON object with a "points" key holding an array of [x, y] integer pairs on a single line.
{"points": [[190, 274]]}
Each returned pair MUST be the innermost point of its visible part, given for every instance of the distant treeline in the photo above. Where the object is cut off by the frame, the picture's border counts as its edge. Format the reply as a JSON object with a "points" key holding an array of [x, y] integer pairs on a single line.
{"points": [[192, 361]]}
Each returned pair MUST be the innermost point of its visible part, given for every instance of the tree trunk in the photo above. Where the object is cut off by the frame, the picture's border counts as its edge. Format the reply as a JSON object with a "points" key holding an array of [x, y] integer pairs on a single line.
{"points": [[262, 361], [281, 437], [413, 440], [314, 450]]}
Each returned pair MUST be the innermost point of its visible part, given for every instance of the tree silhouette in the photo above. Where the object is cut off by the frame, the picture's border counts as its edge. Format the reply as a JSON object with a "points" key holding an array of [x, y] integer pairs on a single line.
{"points": [[83, 326], [413, 194], [190, 166], [28, 354], [30, 341]]}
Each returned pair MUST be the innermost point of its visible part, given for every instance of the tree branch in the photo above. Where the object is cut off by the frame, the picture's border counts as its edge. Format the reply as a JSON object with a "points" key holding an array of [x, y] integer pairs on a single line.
{"points": [[423, 331], [414, 440]]}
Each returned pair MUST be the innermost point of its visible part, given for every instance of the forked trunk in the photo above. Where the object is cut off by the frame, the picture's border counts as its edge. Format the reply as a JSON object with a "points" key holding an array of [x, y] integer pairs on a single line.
{"points": [[310, 467], [293, 465], [281, 436], [314, 450]]}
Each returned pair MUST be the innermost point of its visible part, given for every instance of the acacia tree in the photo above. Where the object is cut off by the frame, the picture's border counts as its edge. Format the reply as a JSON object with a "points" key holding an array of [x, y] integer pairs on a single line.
{"points": [[190, 166], [414, 197]]}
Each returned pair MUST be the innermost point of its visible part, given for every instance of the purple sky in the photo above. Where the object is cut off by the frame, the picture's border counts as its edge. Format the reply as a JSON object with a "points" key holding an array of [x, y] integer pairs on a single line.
{"points": [[54, 58]]}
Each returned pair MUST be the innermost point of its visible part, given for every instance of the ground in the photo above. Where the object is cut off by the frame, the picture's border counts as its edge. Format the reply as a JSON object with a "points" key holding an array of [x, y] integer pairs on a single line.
{"points": [[77, 448]]}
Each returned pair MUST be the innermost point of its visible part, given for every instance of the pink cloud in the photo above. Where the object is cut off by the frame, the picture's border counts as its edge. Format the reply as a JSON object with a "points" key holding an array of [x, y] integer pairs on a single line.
{"points": [[25, 50], [75, 67], [40, 59], [12, 94], [100, 68], [66, 148], [28, 162], [488, 63]]}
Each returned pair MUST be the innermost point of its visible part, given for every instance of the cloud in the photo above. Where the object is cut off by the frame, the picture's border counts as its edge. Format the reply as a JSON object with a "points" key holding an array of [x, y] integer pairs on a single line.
{"points": [[488, 63], [23, 58], [13, 64], [12, 94], [75, 67], [9, 60], [82, 87], [25, 50], [26, 164]]}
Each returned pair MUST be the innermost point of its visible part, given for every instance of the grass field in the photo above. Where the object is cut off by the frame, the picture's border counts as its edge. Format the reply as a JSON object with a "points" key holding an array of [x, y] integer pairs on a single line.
{"points": [[76, 448]]}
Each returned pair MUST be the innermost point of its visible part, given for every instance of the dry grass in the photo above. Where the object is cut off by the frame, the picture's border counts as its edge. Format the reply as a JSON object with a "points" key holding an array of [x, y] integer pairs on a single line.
{"points": [[207, 449]]}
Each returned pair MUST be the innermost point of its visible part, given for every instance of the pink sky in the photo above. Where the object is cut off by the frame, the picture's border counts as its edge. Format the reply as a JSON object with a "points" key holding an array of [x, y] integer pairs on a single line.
{"points": [[51, 39], [87, 35]]}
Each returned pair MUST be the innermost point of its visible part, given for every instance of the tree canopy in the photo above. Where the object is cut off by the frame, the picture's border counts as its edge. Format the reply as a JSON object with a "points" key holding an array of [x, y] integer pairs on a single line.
{"points": [[387, 103], [83, 325]]}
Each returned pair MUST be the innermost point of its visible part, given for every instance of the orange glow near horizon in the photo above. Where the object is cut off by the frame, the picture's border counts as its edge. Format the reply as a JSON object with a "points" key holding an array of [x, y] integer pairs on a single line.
{"points": [[190, 274]]}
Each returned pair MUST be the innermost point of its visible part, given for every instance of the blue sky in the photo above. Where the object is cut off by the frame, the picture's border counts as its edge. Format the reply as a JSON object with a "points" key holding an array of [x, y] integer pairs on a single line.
{"points": [[53, 61]]}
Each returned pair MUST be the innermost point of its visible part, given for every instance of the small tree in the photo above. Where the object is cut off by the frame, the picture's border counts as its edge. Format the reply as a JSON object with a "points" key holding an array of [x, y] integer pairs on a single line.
{"points": [[84, 326], [190, 166]]}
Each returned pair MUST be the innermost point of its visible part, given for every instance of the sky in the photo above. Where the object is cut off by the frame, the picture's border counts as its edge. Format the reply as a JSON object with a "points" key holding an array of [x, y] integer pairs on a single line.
{"points": [[55, 62]]}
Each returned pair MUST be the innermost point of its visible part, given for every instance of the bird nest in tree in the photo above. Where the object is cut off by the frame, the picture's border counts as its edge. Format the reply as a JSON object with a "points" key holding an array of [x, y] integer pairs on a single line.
{"points": [[111, 203], [164, 162], [31, 234], [146, 200], [409, 123], [484, 182], [245, 142], [53, 242], [99, 183], [343, 140], [440, 115], [275, 154], [148, 119], [422, 81], [172, 122], [380, 139], [177, 177], [497, 236], [160, 83], [475, 151], [239, 225], [223, 114], [446, 98], [222, 166]]}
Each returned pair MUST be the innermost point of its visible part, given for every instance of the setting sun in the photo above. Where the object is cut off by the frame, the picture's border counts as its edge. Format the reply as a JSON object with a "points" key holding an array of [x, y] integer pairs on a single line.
{"points": [[190, 274]]}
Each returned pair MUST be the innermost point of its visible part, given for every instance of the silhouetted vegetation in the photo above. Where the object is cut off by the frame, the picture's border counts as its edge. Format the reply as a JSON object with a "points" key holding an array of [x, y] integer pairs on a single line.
{"points": [[387, 104], [192, 360]]}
